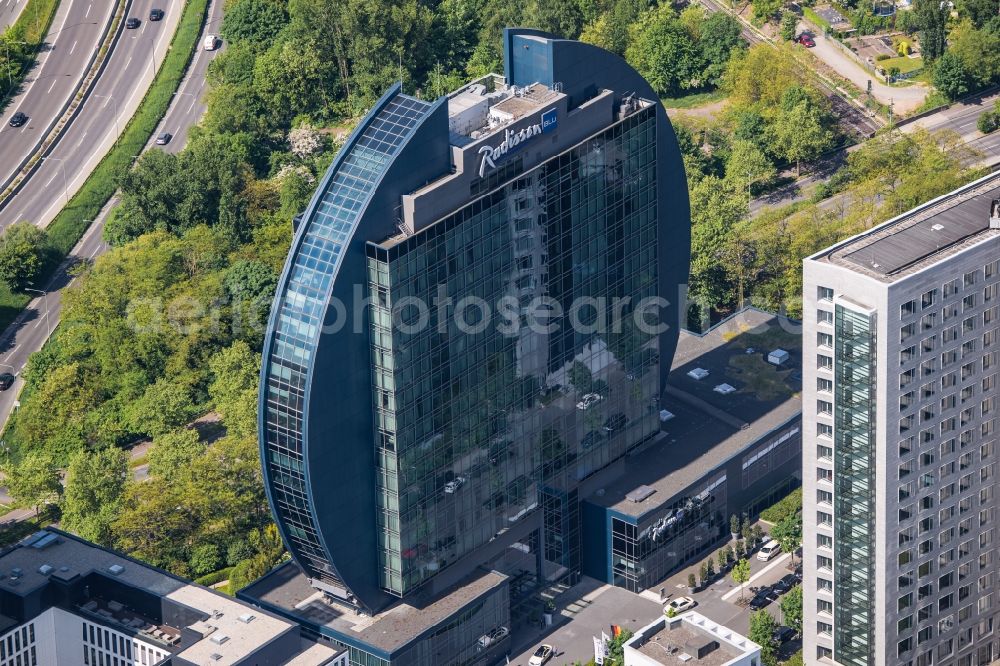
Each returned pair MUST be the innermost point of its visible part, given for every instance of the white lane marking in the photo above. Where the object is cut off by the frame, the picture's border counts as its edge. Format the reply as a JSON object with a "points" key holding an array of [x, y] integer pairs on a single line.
{"points": [[193, 100], [72, 48], [736, 590], [88, 10], [49, 184], [51, 86], [96, 250], [127, 62]]}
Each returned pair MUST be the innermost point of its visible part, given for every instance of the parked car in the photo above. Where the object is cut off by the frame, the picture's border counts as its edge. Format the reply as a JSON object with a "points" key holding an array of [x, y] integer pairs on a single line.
{"points": [[155, 14], [6, 380], [785, 584], [454, 484], [542, 655], [806, 40], [768, 551], [761, 599], [211, 42], [681, 604], [132, 23], [164, 138], [783, 634], [18, 119], [589, 400]]}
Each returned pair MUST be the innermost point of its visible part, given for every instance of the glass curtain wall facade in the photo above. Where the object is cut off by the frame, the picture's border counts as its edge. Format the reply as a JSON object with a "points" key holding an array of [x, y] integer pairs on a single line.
{"points": [[643, 552], [296, 327], [477, 420], [854, 486]]}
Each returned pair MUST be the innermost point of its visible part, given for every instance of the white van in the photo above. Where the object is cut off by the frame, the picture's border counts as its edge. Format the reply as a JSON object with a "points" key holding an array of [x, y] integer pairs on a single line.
{"points": [[769, 550]]}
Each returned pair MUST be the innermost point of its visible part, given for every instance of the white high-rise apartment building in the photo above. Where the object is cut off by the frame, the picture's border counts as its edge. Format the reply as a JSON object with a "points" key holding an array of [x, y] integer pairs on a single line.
{"points": [[899, 429]]}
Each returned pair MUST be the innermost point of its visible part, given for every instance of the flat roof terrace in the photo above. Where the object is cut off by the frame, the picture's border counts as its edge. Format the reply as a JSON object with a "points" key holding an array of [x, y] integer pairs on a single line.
{"points": [[710, 427], [287, 588], [922, 236]]}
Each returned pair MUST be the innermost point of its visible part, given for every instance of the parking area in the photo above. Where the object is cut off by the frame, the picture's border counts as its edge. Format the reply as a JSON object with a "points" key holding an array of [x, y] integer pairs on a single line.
{"points": [[592, 611], [720, 599]]}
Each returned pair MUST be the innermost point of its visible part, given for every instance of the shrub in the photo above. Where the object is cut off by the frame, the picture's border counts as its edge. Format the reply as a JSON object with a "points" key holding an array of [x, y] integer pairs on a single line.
{"points": [[882, 56], [790, 505], [989, 121]]}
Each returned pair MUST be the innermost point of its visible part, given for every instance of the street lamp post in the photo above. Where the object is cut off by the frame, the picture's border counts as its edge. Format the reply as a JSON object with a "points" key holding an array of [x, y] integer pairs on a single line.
{"points": [[118, 129], [45, 299], [62, 164], [10, 78]]}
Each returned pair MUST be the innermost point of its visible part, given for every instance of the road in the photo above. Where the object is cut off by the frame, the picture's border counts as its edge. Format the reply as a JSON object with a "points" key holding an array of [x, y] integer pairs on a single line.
{"points": [[116, 95], [960, 118], [189, 104], [9, 11], [30, 331], [74, 36], [903, 98]]}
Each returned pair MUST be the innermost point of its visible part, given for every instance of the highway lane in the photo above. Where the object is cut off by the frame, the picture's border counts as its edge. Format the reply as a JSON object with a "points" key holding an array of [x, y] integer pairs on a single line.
{"points": [[74, 36], [9, 11], [188, 104], [32, 328], [116, 95]]}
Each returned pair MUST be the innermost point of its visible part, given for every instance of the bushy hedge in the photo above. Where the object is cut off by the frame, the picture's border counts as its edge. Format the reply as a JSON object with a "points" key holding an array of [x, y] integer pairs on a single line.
{"points": [[208, 580], [790, 505]]}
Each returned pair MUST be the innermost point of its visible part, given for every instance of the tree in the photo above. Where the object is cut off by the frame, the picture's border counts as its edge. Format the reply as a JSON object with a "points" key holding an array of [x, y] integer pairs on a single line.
{"points": [[789, 25], [22, 248], [788, 534], [256, 22], [741, 574], [205, 559], [980, 12], [791, 608], [719, 37], [764, 10], [663, 52], [305, 140], [734, 526], [801, 133], [95, 485], [932, 18], [173, 452], [979, 52], [34, 480], [950, 77], [710, 567], [703, 573], [723, 556], [164, 405], [234, 388], [747, 165], [560, 17], [762, 627]]}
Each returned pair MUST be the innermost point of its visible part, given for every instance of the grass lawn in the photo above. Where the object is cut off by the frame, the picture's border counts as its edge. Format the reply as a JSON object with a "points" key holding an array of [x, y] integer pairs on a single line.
{"points": [[693, 100], [905, 64]]}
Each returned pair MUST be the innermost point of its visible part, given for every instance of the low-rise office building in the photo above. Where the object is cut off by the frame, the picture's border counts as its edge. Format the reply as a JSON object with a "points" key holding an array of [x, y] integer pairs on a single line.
{"points": [[731, 446], [690, 638], [66, 602]]}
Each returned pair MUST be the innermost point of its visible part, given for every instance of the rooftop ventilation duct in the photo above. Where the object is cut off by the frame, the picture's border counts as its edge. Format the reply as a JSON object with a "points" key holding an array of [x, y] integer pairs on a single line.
{"points": [[995, 214]]}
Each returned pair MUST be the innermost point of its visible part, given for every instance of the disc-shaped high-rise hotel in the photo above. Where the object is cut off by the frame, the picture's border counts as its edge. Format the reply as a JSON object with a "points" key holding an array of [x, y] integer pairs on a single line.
{"points": [[476, 319]]}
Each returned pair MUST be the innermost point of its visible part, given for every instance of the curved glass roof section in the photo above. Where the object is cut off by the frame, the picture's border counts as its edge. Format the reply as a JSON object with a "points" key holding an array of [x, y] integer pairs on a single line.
{"points": [[295, 328]]}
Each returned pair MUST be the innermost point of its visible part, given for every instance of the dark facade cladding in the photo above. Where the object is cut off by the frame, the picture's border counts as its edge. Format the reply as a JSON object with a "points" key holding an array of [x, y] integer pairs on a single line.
{"points": [[403, 440]]}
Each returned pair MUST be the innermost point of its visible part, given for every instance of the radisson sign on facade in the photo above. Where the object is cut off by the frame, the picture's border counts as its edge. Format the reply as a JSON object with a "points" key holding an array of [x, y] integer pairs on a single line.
{"points": [[513, 140]]}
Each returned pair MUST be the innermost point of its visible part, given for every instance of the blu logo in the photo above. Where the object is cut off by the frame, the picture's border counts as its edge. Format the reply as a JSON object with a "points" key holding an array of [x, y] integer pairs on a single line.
{"points": [[549, 119]]}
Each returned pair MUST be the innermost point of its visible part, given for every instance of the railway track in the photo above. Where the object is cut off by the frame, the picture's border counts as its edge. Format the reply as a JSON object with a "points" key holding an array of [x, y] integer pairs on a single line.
{"points": [[851, 117]]}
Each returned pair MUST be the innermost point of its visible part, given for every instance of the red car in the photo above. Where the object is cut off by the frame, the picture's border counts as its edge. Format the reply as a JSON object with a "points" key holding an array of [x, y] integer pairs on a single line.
{"points": [[805, 39]]}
